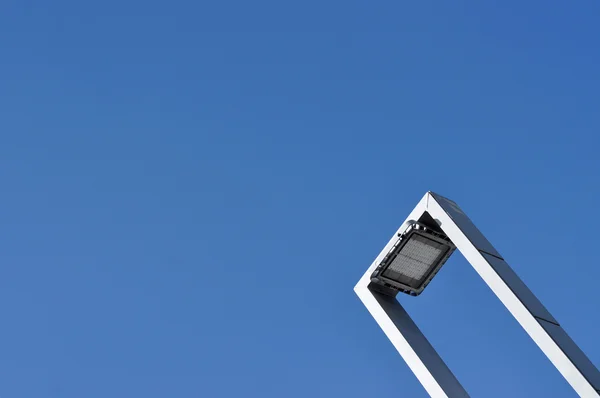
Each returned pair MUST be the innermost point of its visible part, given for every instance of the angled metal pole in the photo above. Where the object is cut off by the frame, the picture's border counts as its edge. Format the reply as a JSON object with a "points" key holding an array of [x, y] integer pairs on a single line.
{"points": [[541, 326], [412, 345]]}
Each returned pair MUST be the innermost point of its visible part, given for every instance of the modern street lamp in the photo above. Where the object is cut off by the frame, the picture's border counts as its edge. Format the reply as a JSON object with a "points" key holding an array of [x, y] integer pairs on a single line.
{"points": [[410, 260]]}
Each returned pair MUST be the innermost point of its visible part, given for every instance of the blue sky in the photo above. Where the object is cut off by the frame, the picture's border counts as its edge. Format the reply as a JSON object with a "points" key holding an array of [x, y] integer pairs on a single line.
{"points": [[190, 191]]}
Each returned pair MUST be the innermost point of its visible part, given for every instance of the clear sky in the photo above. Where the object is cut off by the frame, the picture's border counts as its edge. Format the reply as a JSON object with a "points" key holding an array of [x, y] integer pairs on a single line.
{"points": [[191, 189]]}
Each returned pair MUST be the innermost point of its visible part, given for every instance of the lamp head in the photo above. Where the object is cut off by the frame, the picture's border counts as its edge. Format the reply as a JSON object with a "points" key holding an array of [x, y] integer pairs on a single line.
{"points": [[413, 261]]}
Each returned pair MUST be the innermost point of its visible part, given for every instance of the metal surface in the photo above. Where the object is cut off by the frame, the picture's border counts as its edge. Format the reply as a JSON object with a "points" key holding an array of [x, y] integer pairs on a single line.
{"points": [[420, 356]]}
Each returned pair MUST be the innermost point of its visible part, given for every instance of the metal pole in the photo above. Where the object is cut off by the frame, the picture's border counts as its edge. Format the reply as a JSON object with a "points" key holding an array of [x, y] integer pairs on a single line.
{"points": [[537, 321]]}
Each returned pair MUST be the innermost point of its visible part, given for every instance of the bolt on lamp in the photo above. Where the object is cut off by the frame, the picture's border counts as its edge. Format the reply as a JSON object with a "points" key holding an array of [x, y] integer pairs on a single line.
{"points": [[410, 260]]}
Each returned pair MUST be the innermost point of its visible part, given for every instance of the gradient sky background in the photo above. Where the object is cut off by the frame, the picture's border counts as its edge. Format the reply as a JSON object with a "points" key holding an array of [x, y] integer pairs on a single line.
{"points": [[190, 191]]}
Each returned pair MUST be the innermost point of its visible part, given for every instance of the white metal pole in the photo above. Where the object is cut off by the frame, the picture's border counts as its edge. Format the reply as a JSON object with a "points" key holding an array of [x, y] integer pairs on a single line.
{"points": [[537, 321]]}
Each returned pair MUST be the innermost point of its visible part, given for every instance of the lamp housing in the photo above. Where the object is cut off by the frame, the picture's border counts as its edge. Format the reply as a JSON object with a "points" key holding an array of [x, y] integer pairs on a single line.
{"points": [[413, 261]]}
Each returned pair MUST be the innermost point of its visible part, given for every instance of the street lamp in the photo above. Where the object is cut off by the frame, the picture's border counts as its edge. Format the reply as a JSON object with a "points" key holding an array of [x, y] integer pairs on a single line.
{"points": [[410, 260]]}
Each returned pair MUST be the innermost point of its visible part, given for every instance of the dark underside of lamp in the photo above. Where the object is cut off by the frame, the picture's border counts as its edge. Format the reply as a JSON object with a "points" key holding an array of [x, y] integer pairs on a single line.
{"points": [[413, 261]]}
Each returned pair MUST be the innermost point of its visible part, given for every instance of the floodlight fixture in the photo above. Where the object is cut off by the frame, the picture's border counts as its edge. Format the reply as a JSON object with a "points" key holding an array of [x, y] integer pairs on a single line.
{"points": [[414, 260], [413, 256]]}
